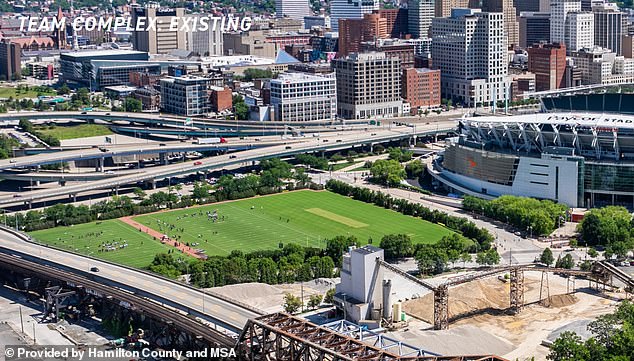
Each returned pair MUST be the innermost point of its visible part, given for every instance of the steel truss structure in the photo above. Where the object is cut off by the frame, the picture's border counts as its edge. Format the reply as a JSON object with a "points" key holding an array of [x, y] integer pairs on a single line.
{"points": [[282, 337]]}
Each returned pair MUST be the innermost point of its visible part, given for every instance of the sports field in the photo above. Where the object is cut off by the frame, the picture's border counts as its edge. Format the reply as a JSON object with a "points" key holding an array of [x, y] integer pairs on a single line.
{"points": [[303, 217], [87, 238]]}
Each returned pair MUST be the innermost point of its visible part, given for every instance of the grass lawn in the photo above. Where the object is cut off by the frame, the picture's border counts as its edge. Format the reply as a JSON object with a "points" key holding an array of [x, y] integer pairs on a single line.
{"points": [[339, 166], [9, 92], [303, 217], [77, 239], [75, 131]]}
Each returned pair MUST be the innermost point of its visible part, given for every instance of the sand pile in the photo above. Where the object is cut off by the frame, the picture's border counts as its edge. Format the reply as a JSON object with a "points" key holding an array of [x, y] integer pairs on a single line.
{"points": [[560, 300], [488, 294]]}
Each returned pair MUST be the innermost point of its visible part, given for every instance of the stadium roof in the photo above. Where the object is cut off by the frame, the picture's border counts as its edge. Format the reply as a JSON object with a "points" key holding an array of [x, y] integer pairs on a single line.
{"points": [[578, 119]]}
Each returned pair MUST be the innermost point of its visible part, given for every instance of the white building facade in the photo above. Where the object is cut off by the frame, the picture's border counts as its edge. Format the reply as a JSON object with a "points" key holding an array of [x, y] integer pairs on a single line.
{"points": [[299, 97], [350, 9], [470, 50], [419, 16], [293, 9], [579, 31]]}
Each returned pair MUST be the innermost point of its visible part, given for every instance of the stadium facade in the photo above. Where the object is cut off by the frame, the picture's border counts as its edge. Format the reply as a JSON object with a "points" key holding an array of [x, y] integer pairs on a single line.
{"points": [[579, 159]]}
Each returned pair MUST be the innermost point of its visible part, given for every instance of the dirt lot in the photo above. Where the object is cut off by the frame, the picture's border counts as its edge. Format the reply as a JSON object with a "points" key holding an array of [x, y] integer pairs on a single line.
{"points": [[483, 303]]}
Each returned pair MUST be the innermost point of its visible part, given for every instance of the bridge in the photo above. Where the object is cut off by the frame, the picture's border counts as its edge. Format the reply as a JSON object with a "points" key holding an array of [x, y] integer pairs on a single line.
{"points": [[151, 175], [177, 319]]}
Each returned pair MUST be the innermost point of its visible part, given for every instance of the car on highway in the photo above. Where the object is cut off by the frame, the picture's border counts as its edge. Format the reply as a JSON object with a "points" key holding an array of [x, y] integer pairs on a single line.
{"points": [[109, 172], [198, 163], [232, 157], [12, 161], [288, 147], [94, 269], [17, 195]]}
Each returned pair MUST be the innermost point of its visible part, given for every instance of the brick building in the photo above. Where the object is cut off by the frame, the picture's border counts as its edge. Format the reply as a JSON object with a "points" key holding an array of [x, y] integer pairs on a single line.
{"points": [[421, 88], [221, 98], [548, 63]]}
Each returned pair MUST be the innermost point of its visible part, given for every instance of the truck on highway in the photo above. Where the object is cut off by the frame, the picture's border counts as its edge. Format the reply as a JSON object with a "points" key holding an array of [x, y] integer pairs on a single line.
{"points": [[210, 140]]}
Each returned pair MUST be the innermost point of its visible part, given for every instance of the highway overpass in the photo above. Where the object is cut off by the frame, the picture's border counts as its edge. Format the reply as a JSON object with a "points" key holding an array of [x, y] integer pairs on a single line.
{"points": [[152, 174], [225, 313]]}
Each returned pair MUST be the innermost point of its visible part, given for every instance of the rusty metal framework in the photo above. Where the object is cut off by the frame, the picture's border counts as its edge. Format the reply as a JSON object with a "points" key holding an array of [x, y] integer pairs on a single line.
{"points": [[283, 337], [517, 290]]}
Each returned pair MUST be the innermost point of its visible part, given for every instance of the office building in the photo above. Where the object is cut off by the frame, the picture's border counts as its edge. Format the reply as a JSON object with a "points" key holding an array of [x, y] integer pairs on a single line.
{"points": [[316, 21], [442, 8], [368, 86], [396, 21], [527, 6], [205, 43], [149, 97], [470, 50], [301, 97], [160, 39], [292, 9], [421, 89], [511, 26], [559, 10], [627, 46], [10, 60], [580, 31], [350, 9], [97, 69], [534, 28], [609, 27], [252, 42], [187, 96], [602, 66], [221, 98], [548, 63], [420, 13], [393, 48], [352, 32]]}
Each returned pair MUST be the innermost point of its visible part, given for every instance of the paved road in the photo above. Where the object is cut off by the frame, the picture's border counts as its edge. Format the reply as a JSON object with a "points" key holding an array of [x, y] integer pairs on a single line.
{"points": [[334, 141], [226, 313]]}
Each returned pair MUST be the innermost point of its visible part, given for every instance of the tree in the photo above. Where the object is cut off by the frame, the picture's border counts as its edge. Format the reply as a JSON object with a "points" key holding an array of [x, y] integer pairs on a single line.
{"points": [[388, 172], [132, 105], [568, 347], [292, 304], [138, 192], [488, 258], [414, 168], [547, 257], [606, 226], [397, 246], [593, 253], [431, 259], [330, 296], [314, 301], [465, 257], [240, 108], [566, 262]]}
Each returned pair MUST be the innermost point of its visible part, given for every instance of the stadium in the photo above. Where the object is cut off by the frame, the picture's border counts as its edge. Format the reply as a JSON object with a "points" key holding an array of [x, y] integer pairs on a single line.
{"points": [[578, 159]]}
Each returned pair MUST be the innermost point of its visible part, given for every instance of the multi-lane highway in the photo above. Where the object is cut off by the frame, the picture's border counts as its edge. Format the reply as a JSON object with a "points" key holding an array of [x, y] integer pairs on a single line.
{"points": [[309, 144], [226, 314]]}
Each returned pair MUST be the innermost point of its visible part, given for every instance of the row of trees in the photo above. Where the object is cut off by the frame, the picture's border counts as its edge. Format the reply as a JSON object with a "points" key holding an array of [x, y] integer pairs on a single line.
{"points": [[28, 127], [270, 180], [481, 237], [540, 217], [290, 263], [612, 339], [611, 227]]}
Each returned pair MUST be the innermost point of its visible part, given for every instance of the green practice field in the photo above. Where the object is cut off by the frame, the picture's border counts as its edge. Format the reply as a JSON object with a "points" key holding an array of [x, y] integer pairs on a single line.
{"points": [[303, 217], [86, 239], [75, 131]]}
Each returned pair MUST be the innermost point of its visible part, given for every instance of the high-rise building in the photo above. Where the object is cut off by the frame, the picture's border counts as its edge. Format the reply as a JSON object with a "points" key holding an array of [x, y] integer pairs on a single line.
{"points": [[252, 42], [526, 6], [301, 97], [470, 50], [442, 8], [160, 39], [350, 9], [579, 31], [352, 32], [394, 48], [368, 85], [534, 28], [559, 10], [205, 43], [294, 9], [186, 95], [421, 88], [10, 60], [609, 27], [420, 13], [603, 66], [507, 8], [628, 46], [396, 21], [548, 63]]}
